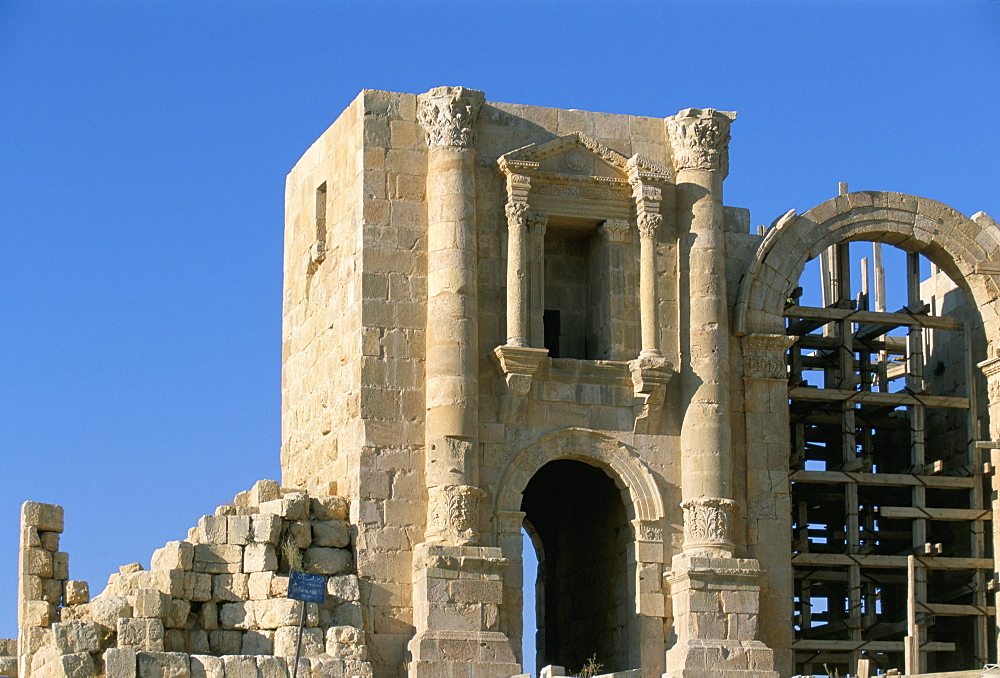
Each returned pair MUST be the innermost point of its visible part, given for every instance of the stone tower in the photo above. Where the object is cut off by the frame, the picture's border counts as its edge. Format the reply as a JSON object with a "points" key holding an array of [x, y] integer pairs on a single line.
{"points": [[501, 317]]}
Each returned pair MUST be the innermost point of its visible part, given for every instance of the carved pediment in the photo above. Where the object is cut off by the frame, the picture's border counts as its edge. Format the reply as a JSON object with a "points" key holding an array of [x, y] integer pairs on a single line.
{"points": [[578, 155]]}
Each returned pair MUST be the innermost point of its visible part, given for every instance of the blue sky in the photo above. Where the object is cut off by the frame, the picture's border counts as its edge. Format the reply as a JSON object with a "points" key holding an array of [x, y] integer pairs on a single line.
{"points": [[143, 149]]}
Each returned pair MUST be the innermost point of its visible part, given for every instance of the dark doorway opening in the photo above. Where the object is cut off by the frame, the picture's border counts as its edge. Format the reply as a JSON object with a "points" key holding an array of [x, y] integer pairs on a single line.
{"points": [[578, 522]]}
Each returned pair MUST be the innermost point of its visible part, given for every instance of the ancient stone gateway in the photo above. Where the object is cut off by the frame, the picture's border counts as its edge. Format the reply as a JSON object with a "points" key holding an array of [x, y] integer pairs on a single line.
{"points": [[502, 318]]}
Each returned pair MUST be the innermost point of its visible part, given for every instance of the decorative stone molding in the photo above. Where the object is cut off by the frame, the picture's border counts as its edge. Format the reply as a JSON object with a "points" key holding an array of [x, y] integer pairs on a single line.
{"points": [[708, 525], [650, 376], [448, 116], [699, 139], [454, 514], [648, 224], [516, 212], [764, 356], [518, 365], [616, 230], [991, 370]]}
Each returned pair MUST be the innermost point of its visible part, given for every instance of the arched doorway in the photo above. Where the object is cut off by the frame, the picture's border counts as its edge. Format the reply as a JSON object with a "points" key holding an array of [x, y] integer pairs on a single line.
{"points": [[639, 519], [582, 536]]}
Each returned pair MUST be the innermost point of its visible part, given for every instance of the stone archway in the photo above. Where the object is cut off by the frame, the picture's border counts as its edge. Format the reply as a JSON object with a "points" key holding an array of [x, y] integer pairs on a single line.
{"points": [[644, 507], [967, 250]]}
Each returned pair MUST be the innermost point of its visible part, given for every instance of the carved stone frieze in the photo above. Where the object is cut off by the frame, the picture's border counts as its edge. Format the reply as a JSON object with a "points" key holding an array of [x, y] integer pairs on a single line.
{"points": [[454, 514], [448, 116], [699, 139], [708, 524], [616, 230], [764, 356]]}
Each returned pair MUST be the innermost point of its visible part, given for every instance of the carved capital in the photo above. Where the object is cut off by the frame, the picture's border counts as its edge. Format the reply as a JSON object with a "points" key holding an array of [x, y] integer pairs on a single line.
{"points": [[648, 223], [454, 514], [448, 116], [616, 230], [699, 139], [764, 356], [537, 222], [517, 213], [708, 524]]}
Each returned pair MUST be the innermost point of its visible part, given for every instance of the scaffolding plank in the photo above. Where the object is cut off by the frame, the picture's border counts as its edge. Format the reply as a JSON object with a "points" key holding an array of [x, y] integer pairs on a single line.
{"points": [[891, 479], [876, 561], [934, 513], [832, 395], [945, 610], [865, 645], [815, 313]]}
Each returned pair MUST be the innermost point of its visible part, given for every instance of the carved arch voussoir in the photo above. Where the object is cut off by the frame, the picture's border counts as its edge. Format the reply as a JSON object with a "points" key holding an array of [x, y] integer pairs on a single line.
{"points": [[957, 244], [626, 469]]}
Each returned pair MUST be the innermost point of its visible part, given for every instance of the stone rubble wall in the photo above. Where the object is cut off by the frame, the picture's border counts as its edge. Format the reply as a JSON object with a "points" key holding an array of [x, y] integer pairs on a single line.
{"points": [[213, 604]]}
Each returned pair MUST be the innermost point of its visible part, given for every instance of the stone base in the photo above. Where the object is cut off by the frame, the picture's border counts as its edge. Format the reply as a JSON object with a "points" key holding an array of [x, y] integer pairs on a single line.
{"points": [[457, 592], [450, 654], [716, 602], [695, 658]]}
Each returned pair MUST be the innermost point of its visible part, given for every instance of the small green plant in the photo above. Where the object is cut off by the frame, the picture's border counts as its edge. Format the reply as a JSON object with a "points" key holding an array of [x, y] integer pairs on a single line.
{"points": [[590, 668], [292, 553]]}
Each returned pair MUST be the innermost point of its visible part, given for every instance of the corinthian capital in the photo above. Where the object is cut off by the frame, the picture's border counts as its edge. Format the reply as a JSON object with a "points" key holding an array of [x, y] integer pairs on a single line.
{"points": [[448, 116], [699, 139]]}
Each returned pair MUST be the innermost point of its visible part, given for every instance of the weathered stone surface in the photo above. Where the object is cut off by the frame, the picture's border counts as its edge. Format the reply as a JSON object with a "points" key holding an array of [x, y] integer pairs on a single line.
{"points": [[163, 665], [238, 529], [76, 636], [277, 612], [320, 560], [329, 508], [203, 666], [120, 662], [285, 639], [225, 641], [76, 592], [343, 588], [240, 666], [141, 634], [335, 533], [177, 614], [107, 610], [213, 529], [273, 667], [260, 558], [238, 615], [150, 603], [258, 642], [266, 528], [47, 517], [230, 587], [175, 555], [218, 558]]}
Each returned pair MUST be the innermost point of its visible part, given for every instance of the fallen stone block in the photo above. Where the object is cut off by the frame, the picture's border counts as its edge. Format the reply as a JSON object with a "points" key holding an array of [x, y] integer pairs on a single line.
{"points": [[264, 490], [293, 506], [107, 610]]}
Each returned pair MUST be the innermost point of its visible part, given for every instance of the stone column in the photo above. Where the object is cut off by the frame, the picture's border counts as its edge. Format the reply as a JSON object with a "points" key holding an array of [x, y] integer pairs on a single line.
{"points": [[447, 115], [647, 194], [537, 223], [716, 597], [457, 586], [517, 284]]}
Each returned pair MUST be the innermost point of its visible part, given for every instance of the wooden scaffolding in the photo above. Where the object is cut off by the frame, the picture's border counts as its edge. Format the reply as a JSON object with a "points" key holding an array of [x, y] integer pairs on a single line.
{"points": [[890, 555]]}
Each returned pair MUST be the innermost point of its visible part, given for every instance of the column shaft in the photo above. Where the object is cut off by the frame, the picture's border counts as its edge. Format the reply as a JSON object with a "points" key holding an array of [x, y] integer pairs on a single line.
{"points": [[517, 284]]}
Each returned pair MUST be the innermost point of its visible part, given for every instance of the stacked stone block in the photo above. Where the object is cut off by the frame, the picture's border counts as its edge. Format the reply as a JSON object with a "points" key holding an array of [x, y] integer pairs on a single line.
{"points": [[214, 604]]}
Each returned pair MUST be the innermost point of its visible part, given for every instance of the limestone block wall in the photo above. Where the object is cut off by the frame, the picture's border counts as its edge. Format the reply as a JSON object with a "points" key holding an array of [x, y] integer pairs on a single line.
{"points": [[213, 604]]}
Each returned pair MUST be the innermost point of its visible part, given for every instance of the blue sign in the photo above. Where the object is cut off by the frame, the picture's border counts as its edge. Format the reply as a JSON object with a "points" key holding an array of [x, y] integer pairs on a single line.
{"points": [[308, 587]]}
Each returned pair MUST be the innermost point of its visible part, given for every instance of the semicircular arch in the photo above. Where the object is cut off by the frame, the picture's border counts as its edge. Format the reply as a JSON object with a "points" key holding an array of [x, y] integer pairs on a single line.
{"points": [[627, 470], [955, 243]]}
